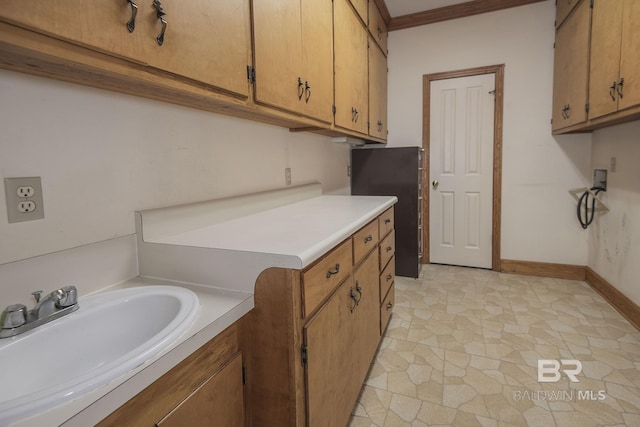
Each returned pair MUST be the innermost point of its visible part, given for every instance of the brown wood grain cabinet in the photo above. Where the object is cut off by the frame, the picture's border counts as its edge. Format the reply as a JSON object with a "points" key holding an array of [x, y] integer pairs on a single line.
{"points": [[204, 388], [377, 26], [293, 56], [202, 41], [362, 9], [571, 67], [377, 92], [614, 81], [306, 361], [563, 8], [351, 69]]}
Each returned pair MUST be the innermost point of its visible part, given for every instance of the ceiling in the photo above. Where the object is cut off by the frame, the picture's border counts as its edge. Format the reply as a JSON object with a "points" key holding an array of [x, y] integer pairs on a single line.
{"points": [[407, 7]]}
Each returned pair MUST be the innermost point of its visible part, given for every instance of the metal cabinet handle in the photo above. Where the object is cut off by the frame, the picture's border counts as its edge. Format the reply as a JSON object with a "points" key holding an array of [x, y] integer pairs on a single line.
{"points": [[389, 277], [307, 90], [368, 238], [380, 126], [389, 248], [612, 91], [359, 290], [160, 15], [354, 114], [387, 221], [379, 33], [333, 271], [131, 24], [300, 89], [620, 87], [355, 300], [389, 306]]}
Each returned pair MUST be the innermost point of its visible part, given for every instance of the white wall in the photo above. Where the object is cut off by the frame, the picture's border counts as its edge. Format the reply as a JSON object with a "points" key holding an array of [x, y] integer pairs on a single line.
{"points": [[614, 244], [103, 155], [538, 214]]}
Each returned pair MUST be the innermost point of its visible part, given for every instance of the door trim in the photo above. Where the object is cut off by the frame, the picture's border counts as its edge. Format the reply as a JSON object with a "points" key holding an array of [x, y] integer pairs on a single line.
{"points": [[497, 154]]}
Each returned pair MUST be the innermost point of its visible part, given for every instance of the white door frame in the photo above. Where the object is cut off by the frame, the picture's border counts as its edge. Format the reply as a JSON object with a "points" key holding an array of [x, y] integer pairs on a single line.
{"points": [[497, 153]]}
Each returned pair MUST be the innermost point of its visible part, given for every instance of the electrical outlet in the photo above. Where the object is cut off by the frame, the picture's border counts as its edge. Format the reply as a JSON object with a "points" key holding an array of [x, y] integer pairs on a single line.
{"points": [[24, 199], [287, 176]]}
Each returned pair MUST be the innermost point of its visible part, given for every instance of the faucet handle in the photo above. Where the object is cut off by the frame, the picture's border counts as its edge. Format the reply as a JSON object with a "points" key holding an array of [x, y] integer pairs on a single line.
{"points": [[68, 296], [13, 316]]}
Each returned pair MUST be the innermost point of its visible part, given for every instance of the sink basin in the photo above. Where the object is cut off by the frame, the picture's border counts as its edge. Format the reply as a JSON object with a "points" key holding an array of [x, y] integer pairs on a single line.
{"points": [[109, 335]]}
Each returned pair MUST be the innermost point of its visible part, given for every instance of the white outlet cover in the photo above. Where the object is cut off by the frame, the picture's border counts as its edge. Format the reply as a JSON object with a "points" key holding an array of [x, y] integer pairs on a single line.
{"points": [[18, 208]]}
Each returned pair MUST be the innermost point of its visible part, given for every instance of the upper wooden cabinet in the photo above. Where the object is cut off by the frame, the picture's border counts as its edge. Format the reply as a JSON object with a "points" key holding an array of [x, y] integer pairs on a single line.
{"points": [[293, 56], [204, 41], [377, 26], [377, 92], [351, 76], [361, 8], [614, 82], [563, 8], [571, 66]]}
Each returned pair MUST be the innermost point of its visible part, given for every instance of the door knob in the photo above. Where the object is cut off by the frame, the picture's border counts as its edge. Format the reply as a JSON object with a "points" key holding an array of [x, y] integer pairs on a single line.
{"points": [[434, 184]]}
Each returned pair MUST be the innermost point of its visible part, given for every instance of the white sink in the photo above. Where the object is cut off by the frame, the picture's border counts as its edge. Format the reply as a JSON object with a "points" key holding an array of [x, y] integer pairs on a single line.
{"points": [[109, 335]]}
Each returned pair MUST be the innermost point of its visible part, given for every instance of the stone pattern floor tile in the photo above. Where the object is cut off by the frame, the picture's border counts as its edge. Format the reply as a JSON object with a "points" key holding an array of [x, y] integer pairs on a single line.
{"points": [[463, 345]]}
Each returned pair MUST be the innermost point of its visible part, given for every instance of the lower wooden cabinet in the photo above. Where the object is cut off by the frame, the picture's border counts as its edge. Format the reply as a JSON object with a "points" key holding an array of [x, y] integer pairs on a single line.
{"points": [[306, 363], [203, 390]]}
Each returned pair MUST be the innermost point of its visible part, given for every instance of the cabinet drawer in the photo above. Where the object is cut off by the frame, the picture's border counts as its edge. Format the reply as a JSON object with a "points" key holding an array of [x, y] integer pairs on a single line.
{"points": [[386, 308], [387, 249], [386, 222], [365, 240], [387, 277], [323, 277]]}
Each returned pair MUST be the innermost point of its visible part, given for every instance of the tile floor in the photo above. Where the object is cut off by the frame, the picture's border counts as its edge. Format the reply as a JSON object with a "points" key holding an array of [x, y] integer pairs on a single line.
{"points": [[463, 345]]}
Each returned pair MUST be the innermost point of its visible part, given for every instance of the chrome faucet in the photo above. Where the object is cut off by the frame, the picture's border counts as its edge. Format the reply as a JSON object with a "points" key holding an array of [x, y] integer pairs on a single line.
{"points": [[15, 319]]}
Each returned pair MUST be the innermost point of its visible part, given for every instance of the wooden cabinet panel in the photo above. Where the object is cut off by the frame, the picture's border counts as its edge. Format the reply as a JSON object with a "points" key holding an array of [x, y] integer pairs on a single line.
{"points": [[218, 401], [629, 57], [386, 222], [361, 8], [386, 309], [377, 92], [331, 368], [205, 41], [377, 26], [365, 240], [387, 278], [367, 335], [387, 249], [571, 69], [351, 81], [323, 277], [563, 8], [317, 56], [606, 36], [277, 52], [100, 26]]}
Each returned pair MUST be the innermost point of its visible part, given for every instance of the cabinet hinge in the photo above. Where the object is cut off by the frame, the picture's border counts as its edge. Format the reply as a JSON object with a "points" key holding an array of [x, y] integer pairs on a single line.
{"points": [[244, 375], [368, 125], [591, 4], [304, 354], [333, 109], [586, 107], [251, 74]]}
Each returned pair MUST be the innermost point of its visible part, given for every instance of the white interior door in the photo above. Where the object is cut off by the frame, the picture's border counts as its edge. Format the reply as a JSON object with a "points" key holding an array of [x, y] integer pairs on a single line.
{"points": [[461, 169]]}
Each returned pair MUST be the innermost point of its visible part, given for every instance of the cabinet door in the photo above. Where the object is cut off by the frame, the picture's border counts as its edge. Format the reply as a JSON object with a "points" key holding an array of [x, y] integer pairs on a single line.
{"points": [[367, 337], [351, 84], [317, 56], [277, 53], [606, 36], [331, 368], [630, 60], [377, 26], [101, 26], [219, 401], [377, 92], [571, 69], [205, 41]]}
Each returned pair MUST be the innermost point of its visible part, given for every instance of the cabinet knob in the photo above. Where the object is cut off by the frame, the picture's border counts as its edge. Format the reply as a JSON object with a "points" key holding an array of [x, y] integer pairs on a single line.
{"points": [[131, 24]]}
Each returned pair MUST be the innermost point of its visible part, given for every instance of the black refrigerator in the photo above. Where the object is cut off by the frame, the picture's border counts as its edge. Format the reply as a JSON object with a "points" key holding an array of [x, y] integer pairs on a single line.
{"points": [[395, 172]]}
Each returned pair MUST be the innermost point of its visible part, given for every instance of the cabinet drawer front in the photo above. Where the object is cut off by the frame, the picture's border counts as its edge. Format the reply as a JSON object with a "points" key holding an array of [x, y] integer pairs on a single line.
{"points": [[386, 222], [386, 308], [325, 275], [387, 277], [387, 249], [365, 240]]}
